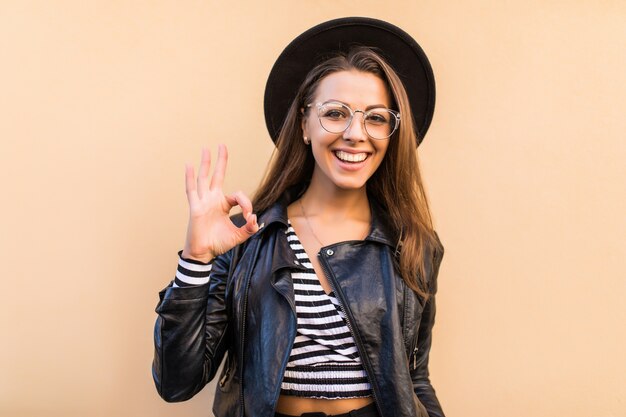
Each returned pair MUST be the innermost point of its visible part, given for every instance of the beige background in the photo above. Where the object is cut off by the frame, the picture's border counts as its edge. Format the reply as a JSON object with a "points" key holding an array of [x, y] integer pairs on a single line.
{"points": [[102, 103]]}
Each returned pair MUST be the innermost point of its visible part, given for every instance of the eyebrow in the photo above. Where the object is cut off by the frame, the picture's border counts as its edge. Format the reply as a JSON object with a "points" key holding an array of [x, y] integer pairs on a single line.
{"points": [[372, 106]]}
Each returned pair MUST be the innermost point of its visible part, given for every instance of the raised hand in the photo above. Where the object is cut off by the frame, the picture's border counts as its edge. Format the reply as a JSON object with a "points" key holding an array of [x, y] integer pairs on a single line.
{"points": [[210, 231]]}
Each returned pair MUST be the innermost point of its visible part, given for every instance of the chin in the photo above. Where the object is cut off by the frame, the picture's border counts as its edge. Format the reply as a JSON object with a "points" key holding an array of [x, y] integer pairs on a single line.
{"points": [[349, 184]]}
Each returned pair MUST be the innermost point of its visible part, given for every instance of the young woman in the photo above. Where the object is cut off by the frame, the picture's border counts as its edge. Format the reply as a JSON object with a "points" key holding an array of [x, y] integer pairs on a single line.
{"points": [[321, 293]]}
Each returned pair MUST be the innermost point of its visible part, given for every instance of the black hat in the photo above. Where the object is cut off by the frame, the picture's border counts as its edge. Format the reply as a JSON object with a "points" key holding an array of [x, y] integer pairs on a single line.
{"points": [[320, 42]]}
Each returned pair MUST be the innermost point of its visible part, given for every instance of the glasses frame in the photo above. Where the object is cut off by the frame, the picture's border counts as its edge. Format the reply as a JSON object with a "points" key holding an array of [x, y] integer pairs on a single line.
{"points": [[394, 113]]}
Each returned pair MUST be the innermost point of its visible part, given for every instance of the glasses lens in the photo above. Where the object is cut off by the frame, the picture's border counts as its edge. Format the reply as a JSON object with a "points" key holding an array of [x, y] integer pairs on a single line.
{"points": [[380, 123], [334, 117]]}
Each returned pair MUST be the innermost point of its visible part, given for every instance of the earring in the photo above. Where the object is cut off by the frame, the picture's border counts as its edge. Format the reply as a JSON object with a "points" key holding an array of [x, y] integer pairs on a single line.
{"points": [[307, 141]]}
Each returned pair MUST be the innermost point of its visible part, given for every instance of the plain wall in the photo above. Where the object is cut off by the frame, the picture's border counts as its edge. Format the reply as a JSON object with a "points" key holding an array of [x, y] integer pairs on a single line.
{"points": [[102, 103]]}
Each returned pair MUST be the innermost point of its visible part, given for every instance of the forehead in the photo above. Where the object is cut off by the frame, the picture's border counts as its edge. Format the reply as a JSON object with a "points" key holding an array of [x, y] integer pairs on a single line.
{"points": [[357, 88]]}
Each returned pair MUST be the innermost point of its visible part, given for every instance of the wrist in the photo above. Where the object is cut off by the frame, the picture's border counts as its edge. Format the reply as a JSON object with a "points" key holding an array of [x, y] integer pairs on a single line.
{"points": [[204, 258], [192, 272]]}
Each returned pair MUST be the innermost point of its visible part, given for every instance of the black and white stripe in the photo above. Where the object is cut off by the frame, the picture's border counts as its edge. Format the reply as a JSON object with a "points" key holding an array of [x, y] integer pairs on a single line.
{"points": [[191, 272], [324, 361]]}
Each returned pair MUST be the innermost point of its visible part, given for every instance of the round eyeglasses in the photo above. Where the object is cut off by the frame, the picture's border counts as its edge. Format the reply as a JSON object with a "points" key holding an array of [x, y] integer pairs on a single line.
{"points": [[336, 117]]}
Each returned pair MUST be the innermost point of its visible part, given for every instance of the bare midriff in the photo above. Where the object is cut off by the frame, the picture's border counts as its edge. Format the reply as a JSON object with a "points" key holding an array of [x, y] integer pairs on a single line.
{"points": [[288, 404]]}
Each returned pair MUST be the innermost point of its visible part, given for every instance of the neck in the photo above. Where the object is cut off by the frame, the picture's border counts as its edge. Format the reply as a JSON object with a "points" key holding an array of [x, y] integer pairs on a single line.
{"points": [[331, 204]]}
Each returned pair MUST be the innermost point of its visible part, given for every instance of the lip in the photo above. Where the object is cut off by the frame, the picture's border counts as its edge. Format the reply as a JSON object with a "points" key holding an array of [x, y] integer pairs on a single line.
{"points": [[351, 166]]}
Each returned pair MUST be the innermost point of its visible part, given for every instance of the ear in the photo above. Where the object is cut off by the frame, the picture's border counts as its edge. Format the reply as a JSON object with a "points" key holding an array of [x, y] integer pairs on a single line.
{"points": [[303, 122]]}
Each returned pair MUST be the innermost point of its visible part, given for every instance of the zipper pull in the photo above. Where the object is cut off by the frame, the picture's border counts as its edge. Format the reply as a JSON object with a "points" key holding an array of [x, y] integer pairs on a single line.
{"points": [[415, 358]]}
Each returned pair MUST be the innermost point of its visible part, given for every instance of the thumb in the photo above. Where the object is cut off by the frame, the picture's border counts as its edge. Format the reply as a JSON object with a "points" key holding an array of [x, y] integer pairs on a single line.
{"points": [[251, 226], [248, 229]]}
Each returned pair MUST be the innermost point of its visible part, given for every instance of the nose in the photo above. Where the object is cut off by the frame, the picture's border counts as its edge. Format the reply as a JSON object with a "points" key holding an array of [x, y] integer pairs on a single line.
{"points": [[356, 130]]}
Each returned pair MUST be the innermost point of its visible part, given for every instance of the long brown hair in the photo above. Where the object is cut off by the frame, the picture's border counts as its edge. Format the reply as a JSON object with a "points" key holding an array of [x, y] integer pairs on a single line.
{"points": [[396, 185]]}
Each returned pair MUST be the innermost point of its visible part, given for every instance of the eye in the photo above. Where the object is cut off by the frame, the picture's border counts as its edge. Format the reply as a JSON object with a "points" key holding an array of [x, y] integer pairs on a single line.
{"points": [[334, 112], [378, 117]]}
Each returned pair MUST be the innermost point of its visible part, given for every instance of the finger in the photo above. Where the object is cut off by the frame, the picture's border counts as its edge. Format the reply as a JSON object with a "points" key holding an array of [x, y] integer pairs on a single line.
{"points": [[190, 183], [220, 167], [251, 226], [231, 200], [248, 229], [203, 172], [240, 199]]}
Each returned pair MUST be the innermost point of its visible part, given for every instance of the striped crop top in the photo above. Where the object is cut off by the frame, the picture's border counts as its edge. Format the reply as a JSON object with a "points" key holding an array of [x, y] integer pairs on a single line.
{"points": [[324, 361]]}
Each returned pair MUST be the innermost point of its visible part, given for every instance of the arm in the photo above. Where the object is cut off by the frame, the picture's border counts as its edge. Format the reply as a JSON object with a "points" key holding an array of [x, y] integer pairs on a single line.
{"points": [[419, 360], [191, 334]]}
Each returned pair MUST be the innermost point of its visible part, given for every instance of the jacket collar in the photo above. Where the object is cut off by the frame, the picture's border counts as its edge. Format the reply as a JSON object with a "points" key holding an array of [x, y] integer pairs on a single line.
{"points": [[277, 213]]}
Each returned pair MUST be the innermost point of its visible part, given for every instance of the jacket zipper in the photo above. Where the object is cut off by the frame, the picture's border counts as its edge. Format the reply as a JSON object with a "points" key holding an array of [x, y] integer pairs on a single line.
{"points": [[414, 343], [405, 331], [243, 328], [356, 336]]}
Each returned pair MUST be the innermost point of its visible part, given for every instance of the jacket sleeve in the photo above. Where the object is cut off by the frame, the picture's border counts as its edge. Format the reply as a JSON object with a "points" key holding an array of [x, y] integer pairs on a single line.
{"points": [[419, 366], [191, 334]]}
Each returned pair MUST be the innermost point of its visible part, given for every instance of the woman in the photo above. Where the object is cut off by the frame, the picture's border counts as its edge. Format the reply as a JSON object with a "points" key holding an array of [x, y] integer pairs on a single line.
{"points": [[321, 291]]}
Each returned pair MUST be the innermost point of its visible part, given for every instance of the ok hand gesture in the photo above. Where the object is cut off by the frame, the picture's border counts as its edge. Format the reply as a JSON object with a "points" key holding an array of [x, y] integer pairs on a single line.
{"points": [[210, 231]]}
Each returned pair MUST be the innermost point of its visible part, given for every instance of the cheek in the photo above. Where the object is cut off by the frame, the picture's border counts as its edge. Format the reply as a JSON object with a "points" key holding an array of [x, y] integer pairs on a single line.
{"points": [[382, 149], [381, 155], [319, 149]]}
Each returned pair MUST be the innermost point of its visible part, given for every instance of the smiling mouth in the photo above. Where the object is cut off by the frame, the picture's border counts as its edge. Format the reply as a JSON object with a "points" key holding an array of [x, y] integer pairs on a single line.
{"points": [[351, 157]]}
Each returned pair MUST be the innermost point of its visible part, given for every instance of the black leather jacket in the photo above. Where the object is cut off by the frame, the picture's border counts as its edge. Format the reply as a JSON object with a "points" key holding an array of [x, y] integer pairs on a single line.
{"points": [[247, 310]]}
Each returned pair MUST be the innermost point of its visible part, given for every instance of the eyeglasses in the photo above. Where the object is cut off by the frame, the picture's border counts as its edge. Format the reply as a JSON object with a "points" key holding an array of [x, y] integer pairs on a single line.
{"points": [[336, 117]]}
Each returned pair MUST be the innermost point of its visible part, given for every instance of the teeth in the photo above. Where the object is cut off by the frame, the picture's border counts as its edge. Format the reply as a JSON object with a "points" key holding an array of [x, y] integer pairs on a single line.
{"points": [[351, 157]]}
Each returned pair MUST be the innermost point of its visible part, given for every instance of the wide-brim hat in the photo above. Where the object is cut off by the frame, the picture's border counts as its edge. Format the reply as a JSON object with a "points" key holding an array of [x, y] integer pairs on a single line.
{"points": [[325, 40]]}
